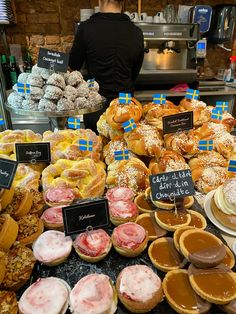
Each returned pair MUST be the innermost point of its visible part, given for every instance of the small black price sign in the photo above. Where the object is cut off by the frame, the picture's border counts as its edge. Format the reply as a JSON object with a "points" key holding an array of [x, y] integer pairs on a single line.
{"points": [[33, 152], [178, 122], [53, 60], [86, 214], [7, 172], [170, 185]]}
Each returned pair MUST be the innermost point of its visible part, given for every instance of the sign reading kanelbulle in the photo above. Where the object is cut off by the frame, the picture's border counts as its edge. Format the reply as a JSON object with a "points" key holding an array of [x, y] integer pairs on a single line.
{"points": [[7, 172], [178, 122], [53, 60], [86, 214], [33, 152], [170, 185]]}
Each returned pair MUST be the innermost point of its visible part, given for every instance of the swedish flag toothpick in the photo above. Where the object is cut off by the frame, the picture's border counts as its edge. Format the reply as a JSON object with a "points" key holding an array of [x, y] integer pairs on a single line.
{"points": [[85, 145], [91, 83], [216, 114], [73, 123], [205, 145], [223, 105], [159, 99], [125, 98], [23, 88], [232, 166], [192, 94], [121, 154], [129, 125], [2, 120]]}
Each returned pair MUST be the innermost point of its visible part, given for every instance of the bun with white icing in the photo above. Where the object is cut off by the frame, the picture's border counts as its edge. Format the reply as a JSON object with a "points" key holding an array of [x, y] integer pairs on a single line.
{"points": [[139, 288]]}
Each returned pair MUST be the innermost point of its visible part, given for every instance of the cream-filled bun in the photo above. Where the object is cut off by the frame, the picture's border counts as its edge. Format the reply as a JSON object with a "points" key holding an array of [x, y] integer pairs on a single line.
{"points": [[122, 211], [53, 219], [120, 193], [59, 196]]}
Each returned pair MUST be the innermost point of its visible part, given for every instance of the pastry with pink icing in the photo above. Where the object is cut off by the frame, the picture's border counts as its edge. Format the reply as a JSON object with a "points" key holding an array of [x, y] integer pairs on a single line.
{"points": [[53, 219], [139, 288], [120, 193], [47, 295], [52, 247], [59, 196], [122, 211], [93, 294], [129, 239], [93, 246]]}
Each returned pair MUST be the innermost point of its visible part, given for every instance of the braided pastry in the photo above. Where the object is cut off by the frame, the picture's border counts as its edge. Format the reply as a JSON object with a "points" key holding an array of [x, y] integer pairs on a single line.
{"points": [[26, 177], [169, 161], [64, 144], [106, 130], [117, 113], [130, 173], [85, 177], [145, 140], [227, 120], [201, 112]]}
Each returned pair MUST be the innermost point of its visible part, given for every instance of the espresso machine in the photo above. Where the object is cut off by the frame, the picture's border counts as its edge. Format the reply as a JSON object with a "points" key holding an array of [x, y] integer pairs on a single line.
{"points": [[170, 53]]}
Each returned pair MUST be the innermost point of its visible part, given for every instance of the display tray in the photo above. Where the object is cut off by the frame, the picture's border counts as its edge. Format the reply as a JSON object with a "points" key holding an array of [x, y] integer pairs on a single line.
{"points": [[74, 269]]}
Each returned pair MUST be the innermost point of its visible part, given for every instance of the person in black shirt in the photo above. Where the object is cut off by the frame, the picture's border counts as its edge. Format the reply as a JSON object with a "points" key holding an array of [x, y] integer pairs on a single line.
{"points": [[112, 48]]}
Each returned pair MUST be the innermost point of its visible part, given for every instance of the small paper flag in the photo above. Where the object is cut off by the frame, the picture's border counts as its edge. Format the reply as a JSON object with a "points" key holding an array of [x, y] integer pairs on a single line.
{"points": [[223, 105], [129, 125], [2, 120], [23, 88], [91, 83], [85, 145], [232, 166], [205, 145], [192, 94], [121, 154], [216, 114], [125, 98], [159, 99], [73, 123]]}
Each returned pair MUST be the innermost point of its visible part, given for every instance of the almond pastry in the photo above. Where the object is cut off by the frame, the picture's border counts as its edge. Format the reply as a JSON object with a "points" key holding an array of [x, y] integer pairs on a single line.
{"points": [[38, 202], [30, 228], [8, 302], [53, 219], [197, 220], [147, 221], [6, 197], [8, 231], [2, 266], [169, 220], [122, 211]]}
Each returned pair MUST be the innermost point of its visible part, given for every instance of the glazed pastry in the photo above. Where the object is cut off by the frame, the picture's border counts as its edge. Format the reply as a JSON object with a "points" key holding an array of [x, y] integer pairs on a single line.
{"points": [[184, 299], [8, 231], [52, 247], [6, 197], [170, 220], [216, 285], [47, 105], [53, 219], [106, 130], [164, 255], [202, 248], [37, 203], [178, 232], [130, 173], [120, 194], [46, 295], [93, 294], [139, 288], [151, 106], [229, 259], [93, 246], [56, 80], [19, 266], [59, 196], [144, 140], [122, 211], [117, 113], [228, 121], [197, 220], [129, 239], [26, 177], [8, 302], [147, 221], [223, 204], [30, 228], [20, 204], [85, 177]]}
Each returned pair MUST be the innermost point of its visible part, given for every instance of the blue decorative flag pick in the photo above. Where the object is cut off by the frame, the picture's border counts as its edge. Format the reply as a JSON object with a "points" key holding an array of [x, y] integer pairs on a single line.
{"points": [[73, 123], [129, 125], [159, 99], [2, 120], [232, 166], [223, 105], [205, 145], [23, 88], [216, 114], [125, 98], [85, 145], [192, 94], [91, 83], [121, 154]]}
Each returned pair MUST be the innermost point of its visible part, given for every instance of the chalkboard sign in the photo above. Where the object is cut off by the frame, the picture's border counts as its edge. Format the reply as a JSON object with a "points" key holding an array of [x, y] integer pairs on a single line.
{"points": [[33, 152], [7, 172], [86, 213], [53, 60], [170, 185], [178, 122]]}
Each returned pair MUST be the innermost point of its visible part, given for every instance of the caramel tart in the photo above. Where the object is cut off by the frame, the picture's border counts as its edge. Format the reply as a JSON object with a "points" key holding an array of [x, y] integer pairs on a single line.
{"points": [[180, 294], [8, 231], [144, 204], [38, 203], [8, 302], [177, 235], [6, 197], [164, 255], [216, 285], [229, 259], [30, 228], [170, 220], [148, 222], [197, 220], [202, 248]]}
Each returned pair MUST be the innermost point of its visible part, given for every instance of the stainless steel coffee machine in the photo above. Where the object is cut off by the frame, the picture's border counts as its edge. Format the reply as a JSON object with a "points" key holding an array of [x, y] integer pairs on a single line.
{"points": [[170, 53]]}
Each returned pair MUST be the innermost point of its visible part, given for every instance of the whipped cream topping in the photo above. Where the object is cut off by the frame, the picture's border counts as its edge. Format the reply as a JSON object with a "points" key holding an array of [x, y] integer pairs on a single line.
{"points": [[225, 197], [93, 294], [120, 194], [139, 283], [129, 235], [123, 209]]}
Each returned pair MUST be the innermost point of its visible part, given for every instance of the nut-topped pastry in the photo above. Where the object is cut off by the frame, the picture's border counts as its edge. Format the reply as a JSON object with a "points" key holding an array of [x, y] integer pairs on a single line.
{"points": [[2, 266], [6, 197], [8, 302], [30, 228], [38, 202], [8, 231]]}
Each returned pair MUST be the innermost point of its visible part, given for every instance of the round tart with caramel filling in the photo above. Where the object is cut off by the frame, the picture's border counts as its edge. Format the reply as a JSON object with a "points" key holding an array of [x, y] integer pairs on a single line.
{"points": [[229, 259], [30, 228], [181, 296], [6, 197], [202, 248], [147, 221], [20, 204], [177, 235], [144, 204], [197, 220], [216, 285], [8, 231], [8, 302], [171, 220], [164, 255]]}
